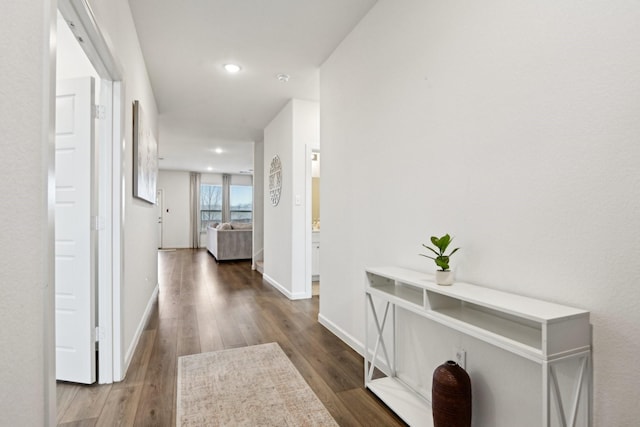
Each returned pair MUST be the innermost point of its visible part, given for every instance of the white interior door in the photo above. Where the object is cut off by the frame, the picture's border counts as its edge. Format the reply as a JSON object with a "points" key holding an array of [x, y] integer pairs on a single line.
{"points": [[75, 246]]}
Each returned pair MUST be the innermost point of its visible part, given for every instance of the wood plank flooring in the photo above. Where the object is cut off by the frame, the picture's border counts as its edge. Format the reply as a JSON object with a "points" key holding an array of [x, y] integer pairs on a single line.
{"points": [[204, 306]]}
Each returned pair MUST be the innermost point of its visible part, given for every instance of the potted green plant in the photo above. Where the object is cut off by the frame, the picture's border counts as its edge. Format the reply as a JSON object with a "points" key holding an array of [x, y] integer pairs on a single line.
{"points": [[444, 276]]}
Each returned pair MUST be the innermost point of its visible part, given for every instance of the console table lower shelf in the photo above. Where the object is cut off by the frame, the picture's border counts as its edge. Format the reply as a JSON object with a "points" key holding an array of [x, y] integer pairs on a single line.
{"points": [[409, 406]]}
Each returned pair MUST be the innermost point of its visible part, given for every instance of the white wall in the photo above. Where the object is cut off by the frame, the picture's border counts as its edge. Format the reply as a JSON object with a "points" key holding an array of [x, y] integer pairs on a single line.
{"points": [[306, 136], [27, 377], [216, 178], [278, 140], [140, 259], [285, 225], [514, 127], [258, 201], [175, 215]]}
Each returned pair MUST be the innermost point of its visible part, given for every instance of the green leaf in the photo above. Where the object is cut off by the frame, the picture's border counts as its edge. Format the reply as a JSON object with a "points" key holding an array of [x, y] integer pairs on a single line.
{"points": [[444, 242], [443, 262], [431, 249], [454, 251], [427, 256]]}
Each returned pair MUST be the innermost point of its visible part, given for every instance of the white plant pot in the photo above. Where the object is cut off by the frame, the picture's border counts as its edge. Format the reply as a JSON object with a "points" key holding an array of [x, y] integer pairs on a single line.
{"points": [[444, 278]]}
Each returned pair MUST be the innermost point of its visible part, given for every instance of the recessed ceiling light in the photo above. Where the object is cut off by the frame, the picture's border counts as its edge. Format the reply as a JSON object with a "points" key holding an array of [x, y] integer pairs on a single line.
{"points": [[232, 68], [209, 168], [218, 150], [283, 77]]}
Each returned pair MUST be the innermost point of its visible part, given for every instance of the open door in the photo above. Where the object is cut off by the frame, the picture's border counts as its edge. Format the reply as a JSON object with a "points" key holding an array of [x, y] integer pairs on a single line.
{"points": [[75, 241]]}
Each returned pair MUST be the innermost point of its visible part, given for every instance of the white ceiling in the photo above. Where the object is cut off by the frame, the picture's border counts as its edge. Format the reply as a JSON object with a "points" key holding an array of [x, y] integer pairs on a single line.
{"points": [[185, 45]]}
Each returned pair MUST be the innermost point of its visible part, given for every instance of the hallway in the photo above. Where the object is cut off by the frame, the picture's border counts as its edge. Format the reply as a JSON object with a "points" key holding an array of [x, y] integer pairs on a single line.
{"points": [[204, 306]]}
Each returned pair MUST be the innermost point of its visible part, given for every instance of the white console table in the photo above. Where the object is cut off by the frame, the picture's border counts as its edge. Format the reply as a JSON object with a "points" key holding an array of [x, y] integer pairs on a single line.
{"points": [[543, 332]]}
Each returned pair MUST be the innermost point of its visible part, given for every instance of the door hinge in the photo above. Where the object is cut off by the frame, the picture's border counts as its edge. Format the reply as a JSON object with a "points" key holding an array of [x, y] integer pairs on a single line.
{"points": [[99, 334], [97, 222], [99, 112]]}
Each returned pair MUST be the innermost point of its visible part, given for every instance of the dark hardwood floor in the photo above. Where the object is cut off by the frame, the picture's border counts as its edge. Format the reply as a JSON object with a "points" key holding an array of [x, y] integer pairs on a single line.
{"points": [[204, 306]]}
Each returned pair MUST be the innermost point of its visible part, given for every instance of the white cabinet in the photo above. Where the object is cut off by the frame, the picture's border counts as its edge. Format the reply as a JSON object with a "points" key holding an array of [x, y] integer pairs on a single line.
{"points": [[315, 255], [543, 332]]}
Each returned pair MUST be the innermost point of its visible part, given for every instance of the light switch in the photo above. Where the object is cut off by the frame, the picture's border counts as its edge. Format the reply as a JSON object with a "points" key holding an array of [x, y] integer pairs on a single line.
{"points": [[298, 200]]}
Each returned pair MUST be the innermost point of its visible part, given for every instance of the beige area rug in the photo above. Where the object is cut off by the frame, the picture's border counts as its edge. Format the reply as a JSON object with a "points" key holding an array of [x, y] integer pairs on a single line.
{"points": [[248, 386]]}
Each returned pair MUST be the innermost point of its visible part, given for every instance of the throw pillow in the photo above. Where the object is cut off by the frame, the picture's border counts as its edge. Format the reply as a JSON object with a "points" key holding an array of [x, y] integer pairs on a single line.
{"points": [[241, 225]]}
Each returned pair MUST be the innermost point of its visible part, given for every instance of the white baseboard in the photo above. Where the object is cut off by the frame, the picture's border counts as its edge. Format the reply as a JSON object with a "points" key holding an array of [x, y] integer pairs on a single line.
{"points": [[301, 295], [350, 340], [353, 342], [284, 291], [136, 338], [276, 285]]}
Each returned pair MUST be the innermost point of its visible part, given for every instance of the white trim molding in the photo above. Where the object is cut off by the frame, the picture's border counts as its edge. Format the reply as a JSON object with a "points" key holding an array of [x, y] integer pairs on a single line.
{"points": [[285, 291], [136, 338], [349, 339]]}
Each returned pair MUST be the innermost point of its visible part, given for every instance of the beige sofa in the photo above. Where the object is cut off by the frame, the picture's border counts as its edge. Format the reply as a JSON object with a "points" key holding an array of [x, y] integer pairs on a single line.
{"points": [[228, 243]]}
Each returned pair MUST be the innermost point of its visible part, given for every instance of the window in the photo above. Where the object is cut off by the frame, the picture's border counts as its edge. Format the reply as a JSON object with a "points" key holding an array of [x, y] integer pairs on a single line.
{"points": [[241, 202], [210, 205]]}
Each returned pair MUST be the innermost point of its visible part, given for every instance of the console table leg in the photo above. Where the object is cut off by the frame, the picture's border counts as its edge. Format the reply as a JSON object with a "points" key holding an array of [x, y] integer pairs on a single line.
{"points": [[567, 417], [546, 414], [380, 338]]}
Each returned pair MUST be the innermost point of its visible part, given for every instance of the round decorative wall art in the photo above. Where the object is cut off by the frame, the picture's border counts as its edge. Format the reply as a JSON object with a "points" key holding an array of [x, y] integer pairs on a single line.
{"points": [[275, 180]]}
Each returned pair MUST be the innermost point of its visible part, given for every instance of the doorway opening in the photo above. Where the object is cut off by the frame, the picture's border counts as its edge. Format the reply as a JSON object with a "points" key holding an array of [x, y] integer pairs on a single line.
{"points": [[92, 58]]}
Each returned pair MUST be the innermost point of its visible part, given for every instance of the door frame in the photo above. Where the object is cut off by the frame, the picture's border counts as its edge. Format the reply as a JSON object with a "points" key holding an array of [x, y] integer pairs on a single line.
{"points": [[110, 187], [308, 151], [160, 202]]}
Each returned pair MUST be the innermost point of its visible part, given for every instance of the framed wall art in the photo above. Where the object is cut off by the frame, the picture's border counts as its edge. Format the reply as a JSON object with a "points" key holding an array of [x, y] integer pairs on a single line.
{"points": [[145, 158]]}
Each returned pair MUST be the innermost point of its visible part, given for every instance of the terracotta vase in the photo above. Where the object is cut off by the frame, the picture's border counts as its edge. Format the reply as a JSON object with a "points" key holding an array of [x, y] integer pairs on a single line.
{"points": [[451, 396]]}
